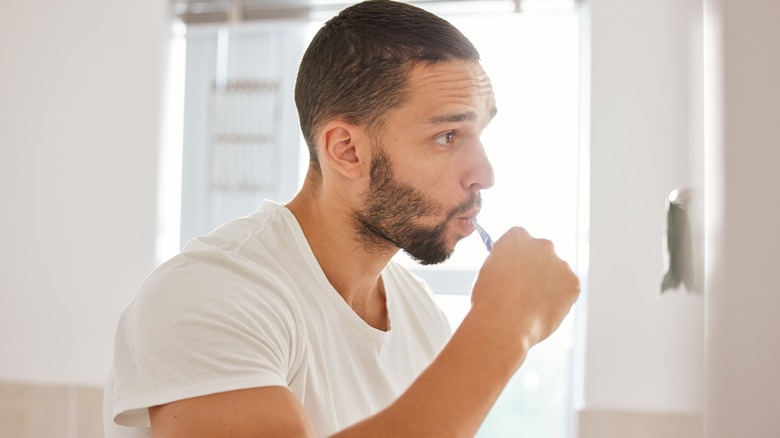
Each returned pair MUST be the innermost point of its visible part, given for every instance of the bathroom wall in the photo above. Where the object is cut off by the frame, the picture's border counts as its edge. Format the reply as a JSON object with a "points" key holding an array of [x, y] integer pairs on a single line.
{"points": [[743, 206], [644, 351], [683, 93], [80, 90]]}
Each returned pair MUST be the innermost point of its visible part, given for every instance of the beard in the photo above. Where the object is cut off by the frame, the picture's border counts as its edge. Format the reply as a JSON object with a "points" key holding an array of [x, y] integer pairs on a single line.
{"points": [[390, 209]]}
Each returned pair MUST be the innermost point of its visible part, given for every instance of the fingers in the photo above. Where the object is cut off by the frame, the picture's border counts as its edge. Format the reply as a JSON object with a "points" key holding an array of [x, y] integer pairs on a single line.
{"points": [[527, 283]]}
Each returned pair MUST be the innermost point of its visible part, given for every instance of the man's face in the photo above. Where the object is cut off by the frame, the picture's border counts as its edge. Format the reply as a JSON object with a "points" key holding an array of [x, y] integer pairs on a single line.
{"points": [[428, 165]]}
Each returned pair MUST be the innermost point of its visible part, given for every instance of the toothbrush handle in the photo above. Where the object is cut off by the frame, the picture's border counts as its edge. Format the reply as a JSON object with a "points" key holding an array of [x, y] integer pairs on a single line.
{"points": [[483, 234]]}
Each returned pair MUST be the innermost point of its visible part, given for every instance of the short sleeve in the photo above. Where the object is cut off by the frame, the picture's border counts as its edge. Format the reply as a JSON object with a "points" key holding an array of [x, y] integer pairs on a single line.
{"points": [[199, 326]]}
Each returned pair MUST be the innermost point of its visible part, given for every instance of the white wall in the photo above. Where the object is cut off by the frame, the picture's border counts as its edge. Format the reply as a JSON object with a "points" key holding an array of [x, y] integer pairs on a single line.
{"points": [[80, 87], [743, 203], [644, 351]]}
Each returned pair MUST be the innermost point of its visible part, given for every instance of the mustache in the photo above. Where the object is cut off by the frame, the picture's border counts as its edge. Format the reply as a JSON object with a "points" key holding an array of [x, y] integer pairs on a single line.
{"points": [[474, 202]]}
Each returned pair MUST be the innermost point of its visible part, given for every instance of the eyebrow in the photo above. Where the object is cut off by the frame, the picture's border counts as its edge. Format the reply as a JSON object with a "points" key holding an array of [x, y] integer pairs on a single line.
{"points": [[468, 116]]}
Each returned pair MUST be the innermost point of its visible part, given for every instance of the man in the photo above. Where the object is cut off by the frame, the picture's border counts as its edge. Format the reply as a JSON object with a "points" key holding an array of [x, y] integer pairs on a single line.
{"points": [[294, 321]]}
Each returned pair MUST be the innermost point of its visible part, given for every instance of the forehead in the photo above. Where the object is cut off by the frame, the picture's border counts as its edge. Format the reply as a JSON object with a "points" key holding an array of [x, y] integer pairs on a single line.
{"points": [[450, 87]]}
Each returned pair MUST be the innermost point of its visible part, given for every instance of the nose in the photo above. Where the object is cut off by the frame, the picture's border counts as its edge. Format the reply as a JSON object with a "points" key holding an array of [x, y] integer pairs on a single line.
{"points": [[480, 175]]}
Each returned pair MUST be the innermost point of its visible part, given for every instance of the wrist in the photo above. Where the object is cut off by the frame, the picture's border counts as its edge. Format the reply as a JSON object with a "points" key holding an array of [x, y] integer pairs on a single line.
{"points": [[511, 334]]}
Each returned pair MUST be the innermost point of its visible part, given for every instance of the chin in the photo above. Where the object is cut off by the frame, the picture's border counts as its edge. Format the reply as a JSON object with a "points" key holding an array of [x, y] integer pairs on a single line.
{"points": [[431, 257], [433, 262]]}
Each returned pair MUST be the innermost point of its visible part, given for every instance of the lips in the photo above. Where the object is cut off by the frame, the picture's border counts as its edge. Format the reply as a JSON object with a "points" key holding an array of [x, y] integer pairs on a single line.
{"points": [[465, 221], [471, 215], [470, 210]]}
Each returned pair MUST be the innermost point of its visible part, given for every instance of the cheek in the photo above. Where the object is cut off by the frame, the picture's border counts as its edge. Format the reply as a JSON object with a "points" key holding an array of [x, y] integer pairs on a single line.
{"points": [[432, 172], [427, 169], [439, 183], [428, 179]]}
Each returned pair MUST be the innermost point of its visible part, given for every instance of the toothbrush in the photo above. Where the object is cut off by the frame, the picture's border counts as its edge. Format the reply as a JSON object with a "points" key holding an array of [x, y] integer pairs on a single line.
{"points": [[483, 234]]}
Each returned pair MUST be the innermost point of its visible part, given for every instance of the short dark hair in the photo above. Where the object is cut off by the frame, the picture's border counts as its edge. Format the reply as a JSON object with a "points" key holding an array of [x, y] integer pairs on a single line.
{"points": [[357, 65]]}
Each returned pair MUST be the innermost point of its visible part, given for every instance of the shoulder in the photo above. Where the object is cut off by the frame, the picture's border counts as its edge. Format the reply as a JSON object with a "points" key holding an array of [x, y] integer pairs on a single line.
{"points": [[219, 316], [205, 323], [210, 294], [227, 284], [245, 268], [259, 229], [239, 263]]}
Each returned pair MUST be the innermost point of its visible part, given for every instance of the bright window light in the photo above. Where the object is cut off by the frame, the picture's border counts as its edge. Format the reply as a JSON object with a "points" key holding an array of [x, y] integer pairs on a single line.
{"points": [[533, 63]]}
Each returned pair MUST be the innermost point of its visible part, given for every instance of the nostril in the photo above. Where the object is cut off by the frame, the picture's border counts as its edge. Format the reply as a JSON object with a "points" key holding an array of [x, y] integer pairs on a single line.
{"points": [[483, 179]]}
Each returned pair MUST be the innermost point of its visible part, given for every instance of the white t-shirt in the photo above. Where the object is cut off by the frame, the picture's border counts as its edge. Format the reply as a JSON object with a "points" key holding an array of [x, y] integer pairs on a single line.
{"points": [[249, 306]]}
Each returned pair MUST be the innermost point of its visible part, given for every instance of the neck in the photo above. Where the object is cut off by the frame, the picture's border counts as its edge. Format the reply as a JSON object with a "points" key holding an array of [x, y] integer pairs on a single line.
{"points": [[353, 269]]}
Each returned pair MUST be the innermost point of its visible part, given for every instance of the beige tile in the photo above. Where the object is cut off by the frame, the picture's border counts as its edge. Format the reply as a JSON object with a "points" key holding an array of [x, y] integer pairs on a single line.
{"points": [[89, 413], [33, 411], [615, 424]]}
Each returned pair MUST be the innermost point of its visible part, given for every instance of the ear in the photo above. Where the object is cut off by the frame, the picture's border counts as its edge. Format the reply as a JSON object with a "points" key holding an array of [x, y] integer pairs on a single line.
{"points": [[344, 148]]}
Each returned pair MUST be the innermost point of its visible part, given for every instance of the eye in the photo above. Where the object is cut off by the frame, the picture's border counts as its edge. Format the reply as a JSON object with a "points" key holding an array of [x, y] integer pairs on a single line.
{"points": [[445, 139]]}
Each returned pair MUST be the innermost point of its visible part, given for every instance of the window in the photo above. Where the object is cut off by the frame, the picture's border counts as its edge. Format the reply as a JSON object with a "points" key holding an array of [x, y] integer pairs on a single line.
{"points": [[533, 62], [239, 121], [239, 115]]}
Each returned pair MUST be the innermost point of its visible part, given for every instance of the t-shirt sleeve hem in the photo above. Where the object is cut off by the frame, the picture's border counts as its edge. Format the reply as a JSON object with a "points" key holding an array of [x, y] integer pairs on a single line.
{"points": [[132, 410]]}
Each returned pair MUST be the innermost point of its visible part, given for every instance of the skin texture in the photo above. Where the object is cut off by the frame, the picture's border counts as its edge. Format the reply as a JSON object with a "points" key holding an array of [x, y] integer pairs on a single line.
{"points": [[438, 167], [397, 212], [391, 209]]}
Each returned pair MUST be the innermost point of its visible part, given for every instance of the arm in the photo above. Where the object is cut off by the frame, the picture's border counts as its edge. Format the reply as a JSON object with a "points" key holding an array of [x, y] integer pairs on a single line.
{"points": [[521, 295], [271, 411]]}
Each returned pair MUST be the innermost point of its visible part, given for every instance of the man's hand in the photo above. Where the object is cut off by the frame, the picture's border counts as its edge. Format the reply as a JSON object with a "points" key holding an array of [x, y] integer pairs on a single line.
{"points": [[521, 295], [525, 286]]}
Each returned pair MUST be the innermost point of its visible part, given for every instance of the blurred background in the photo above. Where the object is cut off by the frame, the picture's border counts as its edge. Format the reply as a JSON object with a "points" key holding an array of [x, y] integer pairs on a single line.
{"points": [[127, 128]]}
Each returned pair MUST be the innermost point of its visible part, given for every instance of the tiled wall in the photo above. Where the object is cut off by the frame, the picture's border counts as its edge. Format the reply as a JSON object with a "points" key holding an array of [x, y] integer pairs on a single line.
{"points": [[48, 411], [616, 424]]}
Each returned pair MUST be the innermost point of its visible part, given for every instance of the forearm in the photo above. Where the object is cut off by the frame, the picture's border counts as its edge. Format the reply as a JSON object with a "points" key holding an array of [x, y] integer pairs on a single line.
{"points": [[454, 394]]}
